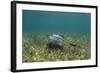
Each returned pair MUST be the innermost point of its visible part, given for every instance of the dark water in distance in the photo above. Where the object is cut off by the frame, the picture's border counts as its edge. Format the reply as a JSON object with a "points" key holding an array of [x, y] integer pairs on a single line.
{"points": [[50, 21]]}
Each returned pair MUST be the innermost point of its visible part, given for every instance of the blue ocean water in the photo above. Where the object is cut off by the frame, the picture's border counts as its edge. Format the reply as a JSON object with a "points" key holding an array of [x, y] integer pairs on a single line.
{"points": [[51, 21]]}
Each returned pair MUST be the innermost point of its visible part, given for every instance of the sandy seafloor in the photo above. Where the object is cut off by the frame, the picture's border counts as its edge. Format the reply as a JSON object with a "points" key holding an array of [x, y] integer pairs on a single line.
{"points": [[37, 48]]}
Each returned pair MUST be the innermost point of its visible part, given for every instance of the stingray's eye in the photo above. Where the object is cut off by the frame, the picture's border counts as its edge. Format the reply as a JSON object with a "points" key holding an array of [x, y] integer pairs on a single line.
{"points": [[61, 35]]}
